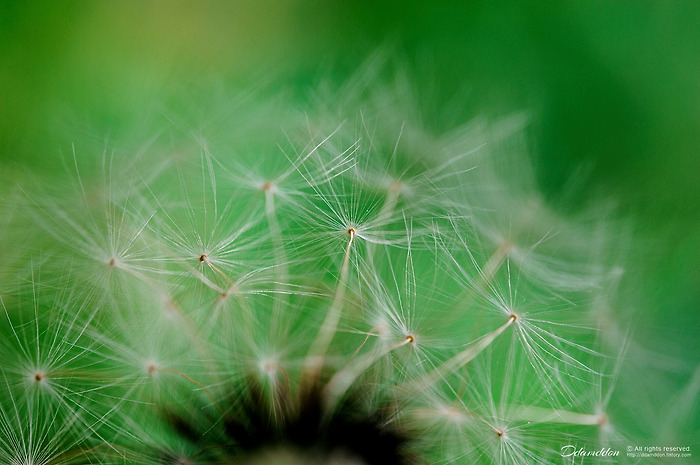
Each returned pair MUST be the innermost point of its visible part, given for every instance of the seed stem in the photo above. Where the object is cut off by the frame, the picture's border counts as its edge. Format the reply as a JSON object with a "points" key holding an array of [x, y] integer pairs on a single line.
{"points": [[204, 259], [281, 270], [314, 360], [493, 264], [343, 379], [464, 357], [545, 415]]}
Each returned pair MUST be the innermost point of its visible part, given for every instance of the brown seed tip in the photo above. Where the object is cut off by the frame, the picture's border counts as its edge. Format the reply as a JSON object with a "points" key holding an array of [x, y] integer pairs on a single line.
{"points": [[267, 186], [202, 257], [351, 231], [410, 339], [512, 318], [112, 261], [500, 432], [38, 377]]}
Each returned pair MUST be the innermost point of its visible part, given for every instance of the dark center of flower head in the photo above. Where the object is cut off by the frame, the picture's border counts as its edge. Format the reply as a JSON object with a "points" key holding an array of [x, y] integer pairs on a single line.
{"points": [[257, 429]]}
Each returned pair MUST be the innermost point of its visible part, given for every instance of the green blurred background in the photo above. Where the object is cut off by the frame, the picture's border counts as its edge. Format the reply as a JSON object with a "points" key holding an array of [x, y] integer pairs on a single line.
{"points": [[615, 87]]}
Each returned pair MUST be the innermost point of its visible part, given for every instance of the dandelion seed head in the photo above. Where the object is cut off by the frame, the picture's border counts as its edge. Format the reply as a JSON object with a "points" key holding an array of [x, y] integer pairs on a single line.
{"points": [[269, 186], [396, 186], [269, 367], [39, 377], [235, 277], [382, 329], [617, 272], [151, 367]]}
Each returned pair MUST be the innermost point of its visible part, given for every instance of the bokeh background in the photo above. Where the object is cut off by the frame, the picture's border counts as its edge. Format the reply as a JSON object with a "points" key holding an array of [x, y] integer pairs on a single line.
{"points": [[614, 87]]}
